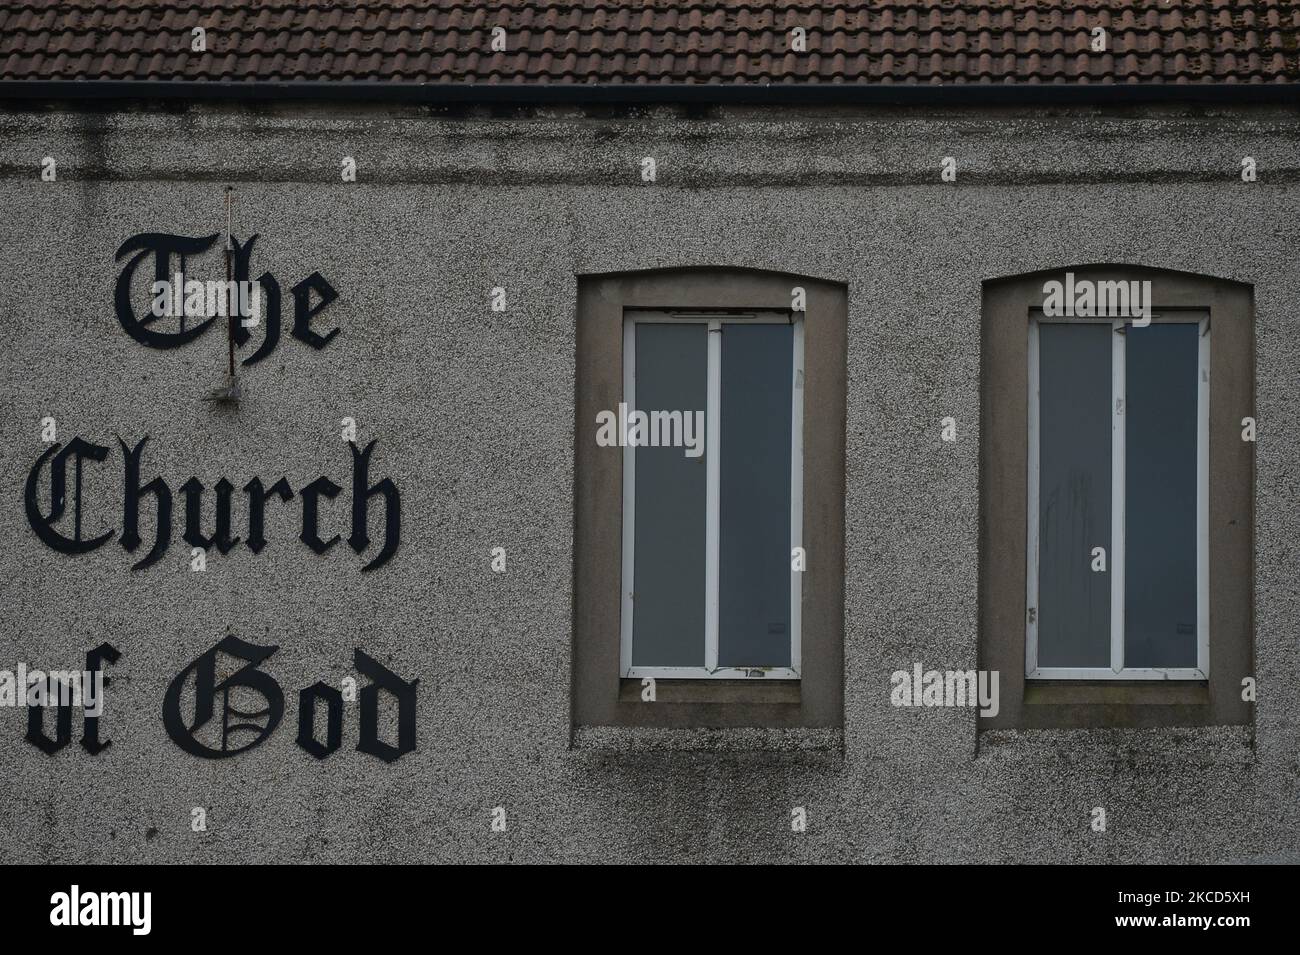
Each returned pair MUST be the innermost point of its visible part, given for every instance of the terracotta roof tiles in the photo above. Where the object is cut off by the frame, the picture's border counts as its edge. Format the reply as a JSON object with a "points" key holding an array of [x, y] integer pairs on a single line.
{"points": [[654, 41]]}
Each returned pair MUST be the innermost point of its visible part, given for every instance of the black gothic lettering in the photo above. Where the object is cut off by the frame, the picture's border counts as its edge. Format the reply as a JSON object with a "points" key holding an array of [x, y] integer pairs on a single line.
{"points": [[390, 682], [59, 699], [220, 538], [95, 660], [307, 719], [362, 492], [257, 499], [163, 247], [205, 692], [270, 318], [199, 682], [321, 487], [239, 272], [43, 525], [131, 508], [304, 312]]}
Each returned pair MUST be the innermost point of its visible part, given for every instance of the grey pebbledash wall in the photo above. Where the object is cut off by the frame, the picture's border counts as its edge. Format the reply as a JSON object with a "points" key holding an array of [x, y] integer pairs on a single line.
{"points": [[473, 414]]}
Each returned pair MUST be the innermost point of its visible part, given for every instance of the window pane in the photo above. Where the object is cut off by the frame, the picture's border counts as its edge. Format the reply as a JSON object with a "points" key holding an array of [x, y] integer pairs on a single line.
{"points": [[754, 564], [668, 563], [1160, 496], [1074, 497]]}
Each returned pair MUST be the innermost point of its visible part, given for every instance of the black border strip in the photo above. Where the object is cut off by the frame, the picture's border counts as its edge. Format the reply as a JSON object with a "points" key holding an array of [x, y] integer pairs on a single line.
{"points": [[629, 94]]}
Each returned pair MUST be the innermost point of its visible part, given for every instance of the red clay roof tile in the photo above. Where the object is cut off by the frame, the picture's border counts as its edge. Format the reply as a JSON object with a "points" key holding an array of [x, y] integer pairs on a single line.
{"points": [[656, 41]]}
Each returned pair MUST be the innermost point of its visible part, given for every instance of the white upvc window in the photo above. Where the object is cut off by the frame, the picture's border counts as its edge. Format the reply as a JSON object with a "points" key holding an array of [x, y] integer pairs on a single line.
{"points": [[712, 543], [1118, 536]]}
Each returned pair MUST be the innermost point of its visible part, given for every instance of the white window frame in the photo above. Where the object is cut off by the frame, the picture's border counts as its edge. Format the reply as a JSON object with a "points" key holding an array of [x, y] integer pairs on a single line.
{"points": [[1117, 670], [713, 464]]}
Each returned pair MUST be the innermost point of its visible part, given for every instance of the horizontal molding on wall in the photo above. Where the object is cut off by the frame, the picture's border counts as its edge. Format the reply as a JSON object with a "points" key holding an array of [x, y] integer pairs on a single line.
{"points": [[731, 147], [702, 180]]}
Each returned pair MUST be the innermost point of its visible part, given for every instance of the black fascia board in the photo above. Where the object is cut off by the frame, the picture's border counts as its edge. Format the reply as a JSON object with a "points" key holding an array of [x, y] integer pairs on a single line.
{"points": [[633, 94]]}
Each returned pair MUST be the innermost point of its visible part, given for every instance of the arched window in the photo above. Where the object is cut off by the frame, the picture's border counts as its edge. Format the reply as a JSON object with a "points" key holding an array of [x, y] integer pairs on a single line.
{"points": [[709, 465], [1116, 495]]}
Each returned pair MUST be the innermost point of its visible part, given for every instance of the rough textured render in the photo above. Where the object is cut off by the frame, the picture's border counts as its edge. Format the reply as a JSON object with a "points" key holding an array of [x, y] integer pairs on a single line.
{"points": [[473, 413], [663, 41]]}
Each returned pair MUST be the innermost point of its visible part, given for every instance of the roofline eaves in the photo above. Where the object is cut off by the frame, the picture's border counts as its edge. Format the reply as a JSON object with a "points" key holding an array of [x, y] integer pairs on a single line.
{"points": [[634, 94]]}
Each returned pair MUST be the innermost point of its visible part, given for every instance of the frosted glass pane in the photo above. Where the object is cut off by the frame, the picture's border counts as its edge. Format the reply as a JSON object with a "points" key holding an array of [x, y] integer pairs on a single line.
{"points": [[668, 563], [1160, 496], [754, 570], [1074, 497]]}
